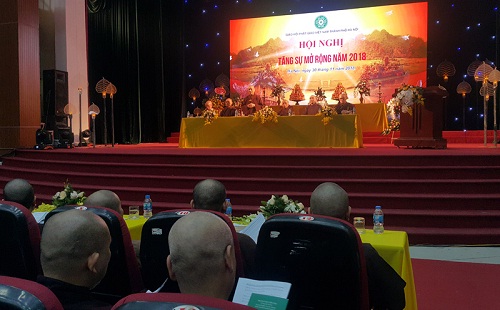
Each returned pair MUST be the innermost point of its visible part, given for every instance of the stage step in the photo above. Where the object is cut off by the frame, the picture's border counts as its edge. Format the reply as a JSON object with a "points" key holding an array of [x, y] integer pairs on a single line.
{"points": [[174, 137], [432, 194], [473, 136]]}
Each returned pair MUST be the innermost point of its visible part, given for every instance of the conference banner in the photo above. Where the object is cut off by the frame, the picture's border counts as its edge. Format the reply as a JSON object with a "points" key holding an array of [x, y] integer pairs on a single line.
{"points": [[376, 48]]}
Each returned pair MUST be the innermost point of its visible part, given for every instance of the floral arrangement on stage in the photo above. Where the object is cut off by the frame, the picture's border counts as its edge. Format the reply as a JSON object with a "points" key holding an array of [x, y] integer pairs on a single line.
{"points": [[393, 116], [297, 94], [265, 115], [217, 103], [327, 113], [281, 204], [339, 89], [210, 116], [407, 96], [362, 89], [320, 94], [68, 196], [393, 126], [405, 99]]}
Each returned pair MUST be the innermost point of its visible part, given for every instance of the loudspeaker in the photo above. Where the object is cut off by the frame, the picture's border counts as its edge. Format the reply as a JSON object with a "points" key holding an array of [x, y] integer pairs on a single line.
{"points": [[55, 98]]}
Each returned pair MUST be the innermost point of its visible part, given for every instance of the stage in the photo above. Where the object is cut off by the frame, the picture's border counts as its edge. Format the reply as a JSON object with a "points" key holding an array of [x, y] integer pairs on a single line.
{"points": [[438, 196]]}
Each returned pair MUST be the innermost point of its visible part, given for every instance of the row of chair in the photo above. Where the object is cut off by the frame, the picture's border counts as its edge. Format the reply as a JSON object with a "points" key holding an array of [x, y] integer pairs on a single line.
{"points": [[21, 294], [322, 257]]}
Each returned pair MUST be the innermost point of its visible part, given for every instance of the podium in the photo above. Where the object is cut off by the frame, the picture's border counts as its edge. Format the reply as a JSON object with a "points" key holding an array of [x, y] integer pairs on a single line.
{"points": [[424, 128]]}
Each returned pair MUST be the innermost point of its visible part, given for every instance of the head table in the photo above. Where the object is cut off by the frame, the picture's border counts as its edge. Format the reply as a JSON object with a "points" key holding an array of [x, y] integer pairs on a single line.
{"points": [[372, 116], [289, 131]]}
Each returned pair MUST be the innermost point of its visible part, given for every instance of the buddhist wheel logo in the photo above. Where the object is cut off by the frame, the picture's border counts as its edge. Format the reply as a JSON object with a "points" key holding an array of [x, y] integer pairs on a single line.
{"points": [[320, 22]]}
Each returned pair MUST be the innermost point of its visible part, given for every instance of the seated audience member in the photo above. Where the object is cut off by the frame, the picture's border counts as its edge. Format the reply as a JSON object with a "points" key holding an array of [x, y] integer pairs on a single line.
{"points": [[229, 109], [286, 110], [313, 107], [344, 107], [74, 255], [20, 191], [211, 195], [202, 258], [386, 288], [104, 198], [110, 200]]}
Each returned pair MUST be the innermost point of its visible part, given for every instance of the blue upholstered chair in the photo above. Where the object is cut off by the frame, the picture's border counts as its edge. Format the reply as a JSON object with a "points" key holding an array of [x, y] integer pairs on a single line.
{"points": [[19, 242]]}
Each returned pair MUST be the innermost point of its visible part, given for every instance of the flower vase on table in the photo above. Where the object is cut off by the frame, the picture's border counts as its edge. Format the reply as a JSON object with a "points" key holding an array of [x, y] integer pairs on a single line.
{"points": [[281, 204]]}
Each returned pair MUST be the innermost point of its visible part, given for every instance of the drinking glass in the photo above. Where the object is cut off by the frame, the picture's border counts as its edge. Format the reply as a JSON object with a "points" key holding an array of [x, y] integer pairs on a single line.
{"points": [[359, 224], [133, 212]]}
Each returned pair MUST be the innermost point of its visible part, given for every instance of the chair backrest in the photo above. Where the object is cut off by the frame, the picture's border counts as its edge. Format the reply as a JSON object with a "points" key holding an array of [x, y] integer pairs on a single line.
{"points": [[19, 242], [155, 249], [322, 257], [123, 276], [26, 294], [167, 301]]}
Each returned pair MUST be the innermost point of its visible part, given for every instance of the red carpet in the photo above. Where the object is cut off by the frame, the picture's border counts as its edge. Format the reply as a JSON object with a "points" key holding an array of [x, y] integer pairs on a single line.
{"points": [[455, 285]]}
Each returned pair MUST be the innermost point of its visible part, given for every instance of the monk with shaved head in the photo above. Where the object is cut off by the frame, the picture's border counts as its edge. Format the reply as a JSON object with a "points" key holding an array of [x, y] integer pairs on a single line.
{"points": [[210, 194], [106, 199], [202, 258], [75, 252], [385, 286], [20, 191], [332, 200]]}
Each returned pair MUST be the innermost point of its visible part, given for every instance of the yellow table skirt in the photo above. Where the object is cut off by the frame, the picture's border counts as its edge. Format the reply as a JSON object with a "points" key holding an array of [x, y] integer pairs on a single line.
{"points": [[135, 226], [394, 248], [290, 131], [372, 116], [391, 245]]}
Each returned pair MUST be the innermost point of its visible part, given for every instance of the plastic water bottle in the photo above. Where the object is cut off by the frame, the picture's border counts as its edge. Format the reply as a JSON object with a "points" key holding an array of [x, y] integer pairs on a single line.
{"points": [[229, 208], [147, 207], [378, 220]]}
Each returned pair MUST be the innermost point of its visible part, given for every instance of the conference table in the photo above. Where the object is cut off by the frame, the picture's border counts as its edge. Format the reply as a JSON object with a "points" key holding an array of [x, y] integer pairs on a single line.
{"points": [[392, 245], [289, 131], [394, 248], [372, 116]]}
